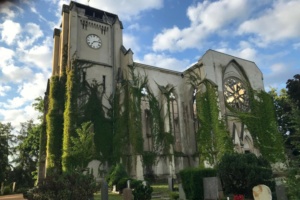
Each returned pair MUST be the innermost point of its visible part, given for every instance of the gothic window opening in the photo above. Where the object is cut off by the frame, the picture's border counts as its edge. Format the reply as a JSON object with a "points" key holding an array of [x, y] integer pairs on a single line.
{"points": [[146, 120], [174, 115], [236, 95], [148, 129], [103, 83], [195, 118]]}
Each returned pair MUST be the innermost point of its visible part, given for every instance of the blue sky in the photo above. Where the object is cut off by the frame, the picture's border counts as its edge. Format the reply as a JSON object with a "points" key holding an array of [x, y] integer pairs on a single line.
{"points": [[171, 34]]}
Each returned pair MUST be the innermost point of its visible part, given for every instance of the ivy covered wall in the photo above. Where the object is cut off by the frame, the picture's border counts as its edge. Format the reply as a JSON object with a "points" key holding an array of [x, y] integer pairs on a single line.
{"points": [[118, 132], [54, 119], [213, 137], [261, 123]]}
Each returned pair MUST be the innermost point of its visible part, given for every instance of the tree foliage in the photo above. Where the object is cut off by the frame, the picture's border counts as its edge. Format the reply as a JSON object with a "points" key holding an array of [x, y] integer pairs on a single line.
{"points": [[241, 172], [293, 89], [293, 136], [6, 138], [27, 151], [82, 148]]}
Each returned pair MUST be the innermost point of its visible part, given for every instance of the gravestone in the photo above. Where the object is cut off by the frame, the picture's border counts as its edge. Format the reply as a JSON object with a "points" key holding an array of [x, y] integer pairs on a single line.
{"points": [[181, 192], [114, 190], [127, 194], [104, 191], [171, 183], [128, 184], [14, 187], [144, 183], [211, 190], [280, 192], [262, 192]]}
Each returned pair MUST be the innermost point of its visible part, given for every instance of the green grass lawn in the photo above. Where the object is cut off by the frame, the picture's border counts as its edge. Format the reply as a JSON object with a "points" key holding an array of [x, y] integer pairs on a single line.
{"points": [[162, 189], [111, 196]]}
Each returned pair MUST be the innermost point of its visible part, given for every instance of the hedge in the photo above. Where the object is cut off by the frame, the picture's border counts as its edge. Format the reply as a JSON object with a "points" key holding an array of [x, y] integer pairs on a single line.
{"points": [[192, 181]]}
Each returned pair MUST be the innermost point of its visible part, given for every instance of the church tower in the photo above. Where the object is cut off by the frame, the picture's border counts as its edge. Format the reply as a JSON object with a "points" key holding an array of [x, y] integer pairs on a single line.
{"points": [[89, 40]]}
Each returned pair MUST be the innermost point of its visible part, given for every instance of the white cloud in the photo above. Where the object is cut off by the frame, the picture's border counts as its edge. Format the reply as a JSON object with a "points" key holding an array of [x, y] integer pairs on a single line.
{"points": [[138, 27], [296, 46], [278, 74], [164, 61], [131, 42], [16, 102], [16, 116], [39, 55], [247, 53], [4, 89], [39, 84], [28, 91], [34, 32], [16, 74], [214, 15], [6, 56], [9, 31], [276, 24], [206, 18], [126, 10], [7, 8]]}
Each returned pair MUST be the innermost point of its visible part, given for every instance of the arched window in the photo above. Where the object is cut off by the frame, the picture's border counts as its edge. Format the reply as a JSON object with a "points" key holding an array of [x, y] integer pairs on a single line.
{"points": [[194, 113], [146, 120], [174, 115], [236, 95]]}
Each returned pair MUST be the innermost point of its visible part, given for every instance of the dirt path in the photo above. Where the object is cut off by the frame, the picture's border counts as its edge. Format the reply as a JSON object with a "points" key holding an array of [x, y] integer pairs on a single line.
{"points": [[12, 197]]}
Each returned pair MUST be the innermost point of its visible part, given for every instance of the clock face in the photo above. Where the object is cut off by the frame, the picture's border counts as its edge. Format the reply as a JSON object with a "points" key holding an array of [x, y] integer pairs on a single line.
{"points": [[235, 94], [93, 41]]}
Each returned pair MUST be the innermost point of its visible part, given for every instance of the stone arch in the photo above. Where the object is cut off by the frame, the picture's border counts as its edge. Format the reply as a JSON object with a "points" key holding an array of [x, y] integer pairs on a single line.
{"points": [[234, 69], [175, 123], [248, 143]]}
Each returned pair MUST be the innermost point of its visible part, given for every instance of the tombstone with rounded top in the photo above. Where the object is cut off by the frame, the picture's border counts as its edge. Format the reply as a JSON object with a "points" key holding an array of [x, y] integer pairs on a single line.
{"points": [[262, 192]]}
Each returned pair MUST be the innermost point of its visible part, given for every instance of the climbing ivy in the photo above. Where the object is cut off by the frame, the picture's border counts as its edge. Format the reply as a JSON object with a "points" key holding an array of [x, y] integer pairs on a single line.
{"points": [[54, 119], [162, 139], [128, 124], [213, 138], [94, 111], [117, 130], [70, 113], [261, 123]]}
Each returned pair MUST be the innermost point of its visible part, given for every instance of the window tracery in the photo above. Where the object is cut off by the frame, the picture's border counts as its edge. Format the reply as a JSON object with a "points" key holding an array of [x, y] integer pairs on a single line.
{"points": [[236, 95]]}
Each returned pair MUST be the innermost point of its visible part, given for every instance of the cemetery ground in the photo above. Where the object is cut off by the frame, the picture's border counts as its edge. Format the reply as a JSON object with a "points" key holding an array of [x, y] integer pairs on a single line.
{"points": [[158, 189]]}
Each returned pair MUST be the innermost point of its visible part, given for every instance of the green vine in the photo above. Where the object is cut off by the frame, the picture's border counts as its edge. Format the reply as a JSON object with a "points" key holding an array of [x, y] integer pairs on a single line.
{"points": [[261, 123], [213, 138], [70, 114], [162, 139], [94, 112], [127, 120], [54, 120]]}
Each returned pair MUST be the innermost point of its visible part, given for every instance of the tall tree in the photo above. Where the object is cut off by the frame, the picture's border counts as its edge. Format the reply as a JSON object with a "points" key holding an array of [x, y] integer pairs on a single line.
{"points": [[27, 151], [287, 105], [283, 109], [6, 138], [293, 89]]}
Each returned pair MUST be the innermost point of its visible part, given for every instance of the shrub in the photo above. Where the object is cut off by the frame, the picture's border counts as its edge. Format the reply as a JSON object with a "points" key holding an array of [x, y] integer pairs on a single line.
{"points": [[117, 173], [6, 190], [192, 181], [142, 192], [122, 184], [71, 185], [293, 183], [174, 195], [239, 173]]}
